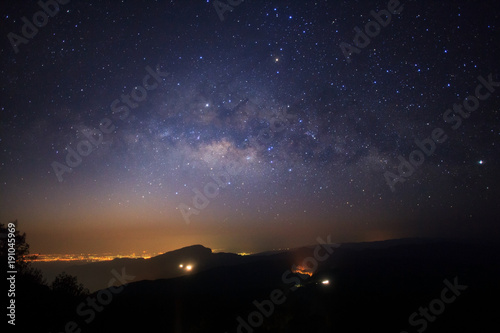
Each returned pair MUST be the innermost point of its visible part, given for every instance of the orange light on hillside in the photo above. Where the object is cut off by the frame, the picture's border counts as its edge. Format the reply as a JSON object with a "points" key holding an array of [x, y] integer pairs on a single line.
{"points": [[301, 270]]}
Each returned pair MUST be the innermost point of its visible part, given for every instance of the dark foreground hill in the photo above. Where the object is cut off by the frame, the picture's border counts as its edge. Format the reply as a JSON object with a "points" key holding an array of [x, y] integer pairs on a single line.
{"points": [[396, 286]]}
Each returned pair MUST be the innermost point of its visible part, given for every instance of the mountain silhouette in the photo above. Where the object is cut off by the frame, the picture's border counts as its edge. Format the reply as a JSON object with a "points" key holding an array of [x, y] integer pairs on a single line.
{"points": [[374, 286], [97, 275]]}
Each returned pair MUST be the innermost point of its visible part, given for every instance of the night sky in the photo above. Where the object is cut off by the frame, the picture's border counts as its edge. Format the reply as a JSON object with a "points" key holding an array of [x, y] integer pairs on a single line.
{"points": [[149, 125]]}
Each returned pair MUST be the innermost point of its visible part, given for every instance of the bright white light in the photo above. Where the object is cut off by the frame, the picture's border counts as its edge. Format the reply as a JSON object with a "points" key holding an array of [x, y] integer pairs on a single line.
{"points": [[325, 282], [181, 265], [189, 267]]}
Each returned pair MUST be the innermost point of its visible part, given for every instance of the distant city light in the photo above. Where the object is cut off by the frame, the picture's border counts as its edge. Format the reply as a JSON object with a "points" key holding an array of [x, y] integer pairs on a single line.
{"points": [[88, 257]]}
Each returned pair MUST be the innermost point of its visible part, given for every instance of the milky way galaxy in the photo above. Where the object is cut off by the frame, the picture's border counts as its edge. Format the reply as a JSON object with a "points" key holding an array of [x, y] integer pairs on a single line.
{"points": [[152, 125]]}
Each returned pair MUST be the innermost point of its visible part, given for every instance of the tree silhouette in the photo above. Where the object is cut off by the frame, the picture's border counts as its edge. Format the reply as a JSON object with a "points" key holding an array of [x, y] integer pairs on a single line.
{"points": [[22, 253], [47, 307], [65, 284]]}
